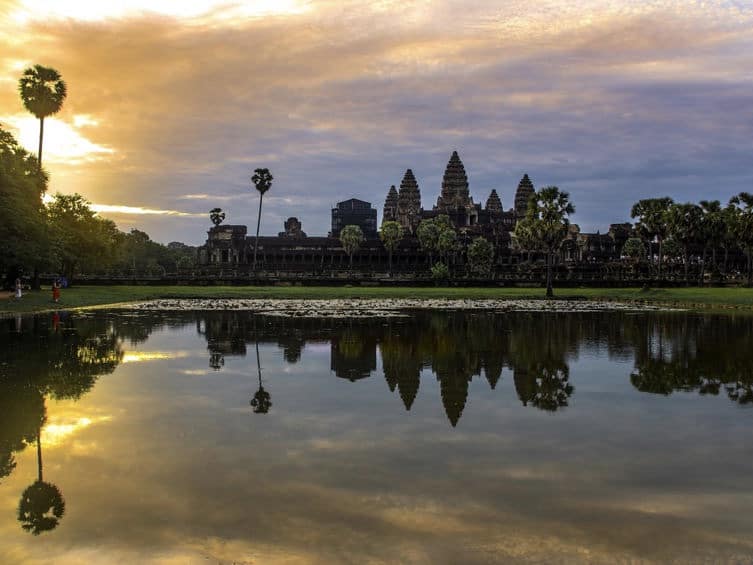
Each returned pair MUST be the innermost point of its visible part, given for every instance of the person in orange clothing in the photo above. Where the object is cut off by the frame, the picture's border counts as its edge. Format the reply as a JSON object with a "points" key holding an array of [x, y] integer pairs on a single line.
{"points": [[56, 290]]}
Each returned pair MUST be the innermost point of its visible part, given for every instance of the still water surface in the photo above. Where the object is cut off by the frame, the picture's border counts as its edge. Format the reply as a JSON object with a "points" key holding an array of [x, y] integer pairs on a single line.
{"points": [[442, 437]]}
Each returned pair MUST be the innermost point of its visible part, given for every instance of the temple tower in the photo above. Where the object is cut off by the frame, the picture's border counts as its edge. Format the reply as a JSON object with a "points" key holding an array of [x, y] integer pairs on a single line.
{"points": [[409, 203], [390, 206], [522, 195], [455, 199], [455, 194], [493, 203]]}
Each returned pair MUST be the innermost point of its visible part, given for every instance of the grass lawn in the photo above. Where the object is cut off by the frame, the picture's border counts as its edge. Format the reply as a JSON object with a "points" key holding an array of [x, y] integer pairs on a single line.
{"points": [[88, 296]]}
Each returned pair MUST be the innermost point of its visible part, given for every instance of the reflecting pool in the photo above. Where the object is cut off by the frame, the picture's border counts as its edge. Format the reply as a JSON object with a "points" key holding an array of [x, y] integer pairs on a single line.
{"points": [[438, 437]]}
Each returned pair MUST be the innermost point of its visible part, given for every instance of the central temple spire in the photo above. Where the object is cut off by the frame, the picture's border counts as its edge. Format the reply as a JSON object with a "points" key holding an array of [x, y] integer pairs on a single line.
{"points": [[455, 192]]}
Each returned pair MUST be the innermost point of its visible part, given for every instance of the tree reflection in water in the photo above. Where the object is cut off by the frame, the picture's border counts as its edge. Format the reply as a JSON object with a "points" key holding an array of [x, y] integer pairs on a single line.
{"points": [[62, 357], [455, 346], [262, 400], [694, 354], [672, 352], [59, 358], [42, 505]]}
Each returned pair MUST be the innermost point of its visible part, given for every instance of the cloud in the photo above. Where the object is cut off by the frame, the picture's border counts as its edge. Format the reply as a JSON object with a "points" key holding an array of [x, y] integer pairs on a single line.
{"points": [[106, 209], [609, 100]]}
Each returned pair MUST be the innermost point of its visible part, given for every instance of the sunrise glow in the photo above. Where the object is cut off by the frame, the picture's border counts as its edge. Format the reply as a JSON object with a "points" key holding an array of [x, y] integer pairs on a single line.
{"points": [[62, 142]]}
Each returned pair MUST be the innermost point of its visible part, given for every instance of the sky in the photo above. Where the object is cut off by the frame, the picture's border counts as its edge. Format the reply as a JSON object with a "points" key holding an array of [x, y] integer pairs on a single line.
{"points": [[172, 104]]}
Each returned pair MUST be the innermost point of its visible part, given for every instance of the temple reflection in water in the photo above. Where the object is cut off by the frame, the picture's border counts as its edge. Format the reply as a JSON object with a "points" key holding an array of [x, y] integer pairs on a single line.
{"points": [[671, 352], [60, 356]]}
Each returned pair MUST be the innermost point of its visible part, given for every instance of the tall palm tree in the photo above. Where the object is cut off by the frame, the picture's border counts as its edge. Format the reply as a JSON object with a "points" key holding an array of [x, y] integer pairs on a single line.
{"points": [[546, 224], [262, 180], [351, 237], [713, 229], [743, 226], [685, 226], [652, 221], [42, 91]]}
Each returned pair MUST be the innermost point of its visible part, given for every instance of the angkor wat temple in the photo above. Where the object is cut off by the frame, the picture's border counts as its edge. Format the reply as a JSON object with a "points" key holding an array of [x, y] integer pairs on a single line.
{"points": [[229, 247]]}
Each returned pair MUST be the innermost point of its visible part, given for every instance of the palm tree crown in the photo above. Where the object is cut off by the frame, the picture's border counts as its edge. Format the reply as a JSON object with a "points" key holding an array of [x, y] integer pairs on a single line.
{"points": [[42, 91], [217, 216], [262, 180]]}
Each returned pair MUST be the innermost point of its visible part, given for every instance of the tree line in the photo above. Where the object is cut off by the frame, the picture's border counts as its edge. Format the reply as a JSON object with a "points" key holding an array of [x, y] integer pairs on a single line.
{"points": [[665, 234], [65, 236], [691, 232]]}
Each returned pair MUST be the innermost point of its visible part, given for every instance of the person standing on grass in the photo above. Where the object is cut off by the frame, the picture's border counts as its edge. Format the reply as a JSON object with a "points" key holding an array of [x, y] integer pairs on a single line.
{"points": [[56, 290], [19, 289]]}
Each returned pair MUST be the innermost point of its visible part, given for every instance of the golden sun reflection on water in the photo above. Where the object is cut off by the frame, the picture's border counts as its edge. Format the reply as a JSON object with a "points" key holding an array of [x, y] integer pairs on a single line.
{"points": [[140, 356], [59, 429]]}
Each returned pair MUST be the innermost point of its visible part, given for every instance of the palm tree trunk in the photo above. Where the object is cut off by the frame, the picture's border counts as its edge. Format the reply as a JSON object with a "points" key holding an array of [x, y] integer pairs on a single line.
{"points": [[258, 223], [661, 242], [35, 282], [687, 264], [703, 266], [41, 137], [390, 254], [750, 267], [258, 363], [549, 291], [39, 453]]}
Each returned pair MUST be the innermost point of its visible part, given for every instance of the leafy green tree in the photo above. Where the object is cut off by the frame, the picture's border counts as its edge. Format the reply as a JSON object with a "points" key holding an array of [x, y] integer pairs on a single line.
{"points": [[429, 233], [391, 234], [23, 223], [440, 272], [546, 223], [79, 237], [217, 216], [634, 249], [713, 228], [351, 238], [523, 239], [447, 245], [480, 255], [672, 249], [22, 413], [729, 239], [428, 236], [262, 180], [135, 252], [185, 263], [652, 222], [685, 222], [443, 223], [743, 226], [42, 91]]}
